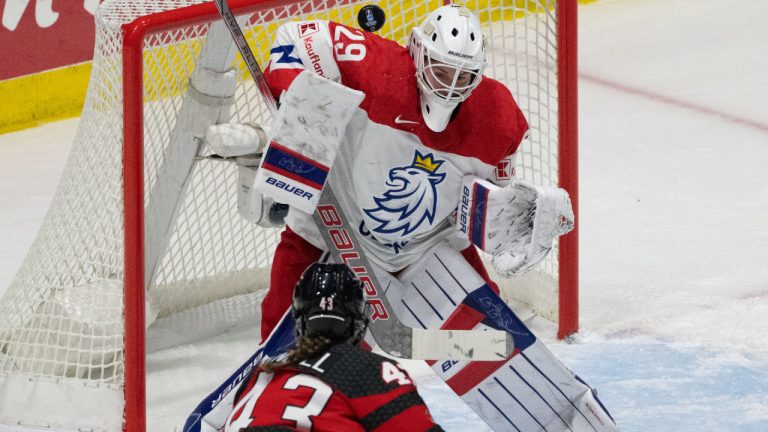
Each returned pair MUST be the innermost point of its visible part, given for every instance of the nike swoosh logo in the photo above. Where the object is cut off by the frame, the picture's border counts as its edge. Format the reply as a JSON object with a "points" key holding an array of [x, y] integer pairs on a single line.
{"points": [[398, 120]]}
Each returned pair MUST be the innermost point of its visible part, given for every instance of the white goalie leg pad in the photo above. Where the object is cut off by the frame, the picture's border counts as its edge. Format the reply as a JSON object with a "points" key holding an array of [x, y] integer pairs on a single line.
{"points": [[213, 93], [306, 134], [516, 224], [435, 286], [530, 391]]}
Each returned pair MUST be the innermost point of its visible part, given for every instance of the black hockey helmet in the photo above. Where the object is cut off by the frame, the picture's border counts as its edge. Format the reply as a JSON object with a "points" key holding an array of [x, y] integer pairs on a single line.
{"points": [[328, 301]]}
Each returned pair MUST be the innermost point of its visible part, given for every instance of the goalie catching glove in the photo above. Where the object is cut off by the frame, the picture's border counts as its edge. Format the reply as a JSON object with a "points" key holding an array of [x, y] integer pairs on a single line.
{"points": [[515, 224]]}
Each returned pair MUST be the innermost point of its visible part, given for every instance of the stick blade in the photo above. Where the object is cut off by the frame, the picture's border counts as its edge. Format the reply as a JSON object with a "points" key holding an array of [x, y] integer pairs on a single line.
{"points": [[477, 345]]}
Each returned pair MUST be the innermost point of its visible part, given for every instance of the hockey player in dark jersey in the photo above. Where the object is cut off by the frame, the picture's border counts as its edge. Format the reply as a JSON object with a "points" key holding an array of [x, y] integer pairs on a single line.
{"points": [[328, 383]]}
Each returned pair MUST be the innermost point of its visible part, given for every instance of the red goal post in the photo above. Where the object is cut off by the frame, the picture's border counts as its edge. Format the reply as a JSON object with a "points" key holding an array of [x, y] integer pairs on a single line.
{"points": [[568, 172]]}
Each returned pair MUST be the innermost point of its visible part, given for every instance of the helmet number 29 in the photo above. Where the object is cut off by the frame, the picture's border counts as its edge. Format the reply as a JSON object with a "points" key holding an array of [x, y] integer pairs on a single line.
{"points": [[344, 45]]}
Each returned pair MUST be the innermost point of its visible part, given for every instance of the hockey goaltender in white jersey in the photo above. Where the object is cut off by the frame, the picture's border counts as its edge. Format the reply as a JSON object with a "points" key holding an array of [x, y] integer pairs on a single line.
{"points": [[428, 145], [408, 147]]}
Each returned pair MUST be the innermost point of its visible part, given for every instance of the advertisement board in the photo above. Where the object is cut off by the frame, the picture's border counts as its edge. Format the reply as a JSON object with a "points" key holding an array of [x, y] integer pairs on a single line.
{"points": [[39, 35], [45, 52]]}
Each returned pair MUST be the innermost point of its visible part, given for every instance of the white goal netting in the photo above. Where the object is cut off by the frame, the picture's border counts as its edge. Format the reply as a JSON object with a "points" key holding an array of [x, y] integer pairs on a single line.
{"points": [[61, 320]]}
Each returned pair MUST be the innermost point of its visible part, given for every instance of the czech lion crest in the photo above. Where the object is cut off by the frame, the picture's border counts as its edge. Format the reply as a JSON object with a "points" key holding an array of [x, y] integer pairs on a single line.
{"points": [[410, 199]]}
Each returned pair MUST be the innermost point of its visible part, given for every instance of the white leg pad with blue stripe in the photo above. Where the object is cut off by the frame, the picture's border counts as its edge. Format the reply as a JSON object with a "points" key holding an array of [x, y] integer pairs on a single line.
{"points": [[532, 390]]}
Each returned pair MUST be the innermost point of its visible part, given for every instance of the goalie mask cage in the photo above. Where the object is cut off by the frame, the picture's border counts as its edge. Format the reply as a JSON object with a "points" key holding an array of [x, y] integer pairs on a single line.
{"points": [[144, 223]]}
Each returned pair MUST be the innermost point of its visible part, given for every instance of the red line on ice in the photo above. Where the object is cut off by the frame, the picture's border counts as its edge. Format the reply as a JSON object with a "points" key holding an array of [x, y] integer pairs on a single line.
{"points": [[676, 102]]}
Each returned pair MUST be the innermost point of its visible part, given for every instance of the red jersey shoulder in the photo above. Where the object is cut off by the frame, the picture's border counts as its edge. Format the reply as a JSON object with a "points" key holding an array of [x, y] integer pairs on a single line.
{"points": [[490, 122], [363, 53], [377, 66], [489, 125]]}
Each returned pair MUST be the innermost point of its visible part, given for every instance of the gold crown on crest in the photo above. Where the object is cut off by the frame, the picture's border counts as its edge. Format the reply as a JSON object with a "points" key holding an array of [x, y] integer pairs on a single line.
{"points": [[426, 162]]}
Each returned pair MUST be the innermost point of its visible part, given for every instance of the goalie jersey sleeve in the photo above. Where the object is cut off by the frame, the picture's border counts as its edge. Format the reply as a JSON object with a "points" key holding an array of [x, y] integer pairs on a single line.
{"points": [[299, 46], [342, 389]]}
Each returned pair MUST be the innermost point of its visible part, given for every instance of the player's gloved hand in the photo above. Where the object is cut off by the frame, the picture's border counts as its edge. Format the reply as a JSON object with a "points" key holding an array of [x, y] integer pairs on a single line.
{"points": [[536, 216], [245, 141], [516, 224], [235, 139]]}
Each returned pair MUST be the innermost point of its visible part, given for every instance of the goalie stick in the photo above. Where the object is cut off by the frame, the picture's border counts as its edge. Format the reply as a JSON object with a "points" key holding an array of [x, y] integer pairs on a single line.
{"points": [[390, 334]]}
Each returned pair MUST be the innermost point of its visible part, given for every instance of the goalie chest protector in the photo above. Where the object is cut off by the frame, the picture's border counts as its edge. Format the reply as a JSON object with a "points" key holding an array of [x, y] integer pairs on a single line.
{"points": [[405, 180]]}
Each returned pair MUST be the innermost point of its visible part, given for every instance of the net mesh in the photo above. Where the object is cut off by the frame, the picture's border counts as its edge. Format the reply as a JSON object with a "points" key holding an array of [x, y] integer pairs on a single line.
{"points": [[62, 315]]}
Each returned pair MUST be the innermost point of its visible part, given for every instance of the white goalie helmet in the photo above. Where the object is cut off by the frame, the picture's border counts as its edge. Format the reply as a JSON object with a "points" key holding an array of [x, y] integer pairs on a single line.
{"points": [[449, 52]]}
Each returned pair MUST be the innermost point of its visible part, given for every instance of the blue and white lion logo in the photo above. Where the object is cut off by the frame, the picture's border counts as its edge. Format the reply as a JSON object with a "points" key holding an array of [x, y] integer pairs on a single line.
{"points": [[411, 197]]}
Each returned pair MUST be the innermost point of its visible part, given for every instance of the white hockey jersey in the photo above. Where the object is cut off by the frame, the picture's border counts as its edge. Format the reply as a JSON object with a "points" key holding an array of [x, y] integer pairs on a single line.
{"points": [[405, 180]]}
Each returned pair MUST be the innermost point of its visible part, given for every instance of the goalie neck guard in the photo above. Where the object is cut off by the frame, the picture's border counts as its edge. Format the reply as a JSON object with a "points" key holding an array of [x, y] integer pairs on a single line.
{"points": [[328, 301], [448, 49]]}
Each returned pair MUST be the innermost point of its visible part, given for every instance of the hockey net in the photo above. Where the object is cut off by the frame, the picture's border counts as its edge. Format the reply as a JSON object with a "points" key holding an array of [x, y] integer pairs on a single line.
{"points": [[143, 208]]}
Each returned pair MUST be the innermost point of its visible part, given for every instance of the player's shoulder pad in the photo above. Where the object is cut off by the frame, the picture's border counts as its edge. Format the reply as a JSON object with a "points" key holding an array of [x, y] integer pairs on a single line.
{"points": [[302, 45], [351, 370], [493, 102]]}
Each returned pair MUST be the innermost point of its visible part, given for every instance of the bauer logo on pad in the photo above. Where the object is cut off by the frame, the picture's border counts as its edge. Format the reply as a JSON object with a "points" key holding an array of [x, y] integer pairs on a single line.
{"points": [[288, 163], [477, 220], [472, 210], [292, 175]]}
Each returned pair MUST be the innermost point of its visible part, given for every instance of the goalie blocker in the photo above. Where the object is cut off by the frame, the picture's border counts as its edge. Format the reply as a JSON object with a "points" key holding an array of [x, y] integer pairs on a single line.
{"points": [[516, 224], [304, 140]]}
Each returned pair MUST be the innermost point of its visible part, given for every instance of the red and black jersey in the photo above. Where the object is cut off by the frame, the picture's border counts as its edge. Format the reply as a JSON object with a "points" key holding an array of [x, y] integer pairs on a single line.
{"points": [[343, 389]]}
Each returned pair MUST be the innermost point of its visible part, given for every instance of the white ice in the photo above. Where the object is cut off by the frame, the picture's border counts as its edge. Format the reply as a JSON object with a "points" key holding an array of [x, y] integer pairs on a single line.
{"points": [[673, 225]]}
